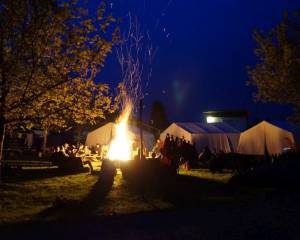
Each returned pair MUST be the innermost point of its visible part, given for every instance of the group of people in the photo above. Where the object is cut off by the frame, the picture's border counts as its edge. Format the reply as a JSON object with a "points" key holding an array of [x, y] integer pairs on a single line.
{"points": [[82, 150], [173, 151], [176, 151], [73, 151]]}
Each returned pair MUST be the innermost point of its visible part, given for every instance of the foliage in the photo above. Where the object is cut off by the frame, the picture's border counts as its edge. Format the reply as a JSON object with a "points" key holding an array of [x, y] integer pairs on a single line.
{"points": [[77, 103], [47, 49], [277, 75], [50, 53]]}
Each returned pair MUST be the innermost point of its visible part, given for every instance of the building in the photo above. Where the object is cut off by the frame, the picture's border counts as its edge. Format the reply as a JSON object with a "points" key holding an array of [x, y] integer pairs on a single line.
{"points": [[236, 118]]}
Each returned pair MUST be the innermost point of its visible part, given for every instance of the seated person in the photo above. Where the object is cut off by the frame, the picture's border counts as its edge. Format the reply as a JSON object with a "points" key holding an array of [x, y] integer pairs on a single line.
{"points": [[98, 149], [80, 151], [87, 151]]}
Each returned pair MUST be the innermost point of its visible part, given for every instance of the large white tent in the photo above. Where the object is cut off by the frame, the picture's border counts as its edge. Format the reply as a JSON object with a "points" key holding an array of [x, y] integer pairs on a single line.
{"points": [[265, 136], [217, 136], [103, 135]]}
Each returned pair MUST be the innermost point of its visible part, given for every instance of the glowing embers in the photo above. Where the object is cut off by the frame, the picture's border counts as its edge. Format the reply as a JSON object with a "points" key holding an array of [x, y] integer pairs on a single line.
{"points": [[120, 147]]}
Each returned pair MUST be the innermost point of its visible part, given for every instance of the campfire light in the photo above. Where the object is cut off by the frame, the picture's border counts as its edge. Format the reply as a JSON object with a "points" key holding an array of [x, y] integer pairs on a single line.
{"points": [[120, 147]]}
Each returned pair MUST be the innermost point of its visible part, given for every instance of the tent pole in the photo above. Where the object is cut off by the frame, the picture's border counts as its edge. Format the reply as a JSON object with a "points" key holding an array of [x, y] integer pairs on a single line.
{"points": [[141, 129]]}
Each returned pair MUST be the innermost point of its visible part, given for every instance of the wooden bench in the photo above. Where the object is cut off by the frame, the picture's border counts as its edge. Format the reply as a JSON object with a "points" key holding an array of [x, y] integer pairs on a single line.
{"points": [[23, 163]]}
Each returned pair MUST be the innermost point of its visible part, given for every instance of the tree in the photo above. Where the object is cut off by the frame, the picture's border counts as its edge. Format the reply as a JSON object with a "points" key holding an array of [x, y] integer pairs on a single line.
{"points": [[46, 46], [158, 116], [78, 103], [277, 75], [89, 102]]}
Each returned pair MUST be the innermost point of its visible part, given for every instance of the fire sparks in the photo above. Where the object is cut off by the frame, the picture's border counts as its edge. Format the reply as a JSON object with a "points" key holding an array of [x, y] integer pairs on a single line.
{"points": [[121, 146]]}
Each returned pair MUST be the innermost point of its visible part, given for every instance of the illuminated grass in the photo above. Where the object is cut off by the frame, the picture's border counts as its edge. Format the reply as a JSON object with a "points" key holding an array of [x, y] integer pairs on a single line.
{"points": [[123, 200], [21, 201], [206, 174]]}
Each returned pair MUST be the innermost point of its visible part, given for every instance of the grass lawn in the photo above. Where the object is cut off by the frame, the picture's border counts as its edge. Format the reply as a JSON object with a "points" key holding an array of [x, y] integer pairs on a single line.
{"points": [[206, 174], [197, 207], [23, 200]]}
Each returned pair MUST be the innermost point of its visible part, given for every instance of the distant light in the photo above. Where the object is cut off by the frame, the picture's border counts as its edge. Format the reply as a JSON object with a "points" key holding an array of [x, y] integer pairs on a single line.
{"points": [[210, 119]]}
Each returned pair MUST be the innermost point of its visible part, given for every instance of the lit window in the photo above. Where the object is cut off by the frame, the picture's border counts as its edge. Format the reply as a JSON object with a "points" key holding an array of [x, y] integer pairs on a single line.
{"points": [[211, 119]]}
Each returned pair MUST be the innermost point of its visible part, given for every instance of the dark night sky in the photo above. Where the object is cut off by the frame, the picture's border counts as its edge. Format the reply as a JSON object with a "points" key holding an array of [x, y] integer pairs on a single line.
{"points": [[204, 47]]}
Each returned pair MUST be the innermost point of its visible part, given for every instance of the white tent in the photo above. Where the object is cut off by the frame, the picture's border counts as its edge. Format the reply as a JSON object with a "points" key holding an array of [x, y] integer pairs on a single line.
{"points": [[290, 128], [217, 136], [265, 136], [103, 135]]}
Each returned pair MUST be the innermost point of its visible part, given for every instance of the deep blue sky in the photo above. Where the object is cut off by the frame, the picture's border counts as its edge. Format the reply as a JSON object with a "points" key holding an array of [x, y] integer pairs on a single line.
{"points": [[204, 47]]}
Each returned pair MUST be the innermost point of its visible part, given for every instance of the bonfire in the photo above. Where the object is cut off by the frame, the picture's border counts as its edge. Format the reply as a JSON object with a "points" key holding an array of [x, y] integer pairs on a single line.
{"points": [[120, 147]]}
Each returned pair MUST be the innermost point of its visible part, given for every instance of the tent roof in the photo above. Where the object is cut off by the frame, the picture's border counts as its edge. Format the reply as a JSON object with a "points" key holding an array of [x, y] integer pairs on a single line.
{"points": [[132, 128], [107, 125], [198, 128], [264, 136], [217, 136], [103, 135], [281, 125]]}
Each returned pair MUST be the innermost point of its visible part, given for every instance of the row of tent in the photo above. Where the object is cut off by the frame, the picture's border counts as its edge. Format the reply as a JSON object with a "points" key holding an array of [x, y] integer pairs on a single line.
{"points": [[274, 138], [218, 137]]}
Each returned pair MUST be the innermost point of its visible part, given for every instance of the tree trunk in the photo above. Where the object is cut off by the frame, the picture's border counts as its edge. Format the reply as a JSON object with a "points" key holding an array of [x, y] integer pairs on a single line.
{"points": [[3, 94], [79, 131], [45, 136], [2, 135]]}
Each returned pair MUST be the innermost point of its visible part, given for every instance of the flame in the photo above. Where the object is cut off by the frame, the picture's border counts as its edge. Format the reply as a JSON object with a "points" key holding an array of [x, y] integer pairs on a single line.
{"points": [[120, 147]]}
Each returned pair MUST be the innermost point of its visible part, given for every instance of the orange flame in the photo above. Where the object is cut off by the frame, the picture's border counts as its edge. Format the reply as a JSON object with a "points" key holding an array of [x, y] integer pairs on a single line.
{"points": [[121, 146]]}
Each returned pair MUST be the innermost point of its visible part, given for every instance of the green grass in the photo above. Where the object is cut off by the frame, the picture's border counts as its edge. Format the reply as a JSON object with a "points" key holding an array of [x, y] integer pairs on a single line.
{"points": [[23, 200], [122, 199], [206, 174], [205, 209]]}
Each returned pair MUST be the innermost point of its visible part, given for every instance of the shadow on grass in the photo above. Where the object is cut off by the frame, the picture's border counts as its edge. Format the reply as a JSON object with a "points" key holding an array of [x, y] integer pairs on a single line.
{"points": [[75, 209], [212, 219], [36, 174], [163, 184], [180, 190], [75, 219], [189, 191]]}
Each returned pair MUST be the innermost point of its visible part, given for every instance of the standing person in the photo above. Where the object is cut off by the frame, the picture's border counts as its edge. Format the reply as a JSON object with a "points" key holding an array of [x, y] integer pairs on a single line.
{"points": [[194, 156], [185, 154], [29, 140], [166, 145], [172, 145], [166, 150], [175, 156], [98, 149], [158, 147]]}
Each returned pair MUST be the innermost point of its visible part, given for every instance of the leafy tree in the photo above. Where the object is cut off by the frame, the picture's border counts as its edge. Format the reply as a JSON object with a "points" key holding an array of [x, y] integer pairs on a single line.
{"points": [[277, 75], [46, 48], [88, 103], [78, 103], [158, 116]]}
